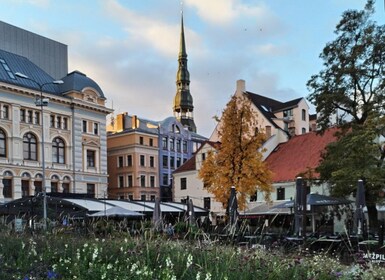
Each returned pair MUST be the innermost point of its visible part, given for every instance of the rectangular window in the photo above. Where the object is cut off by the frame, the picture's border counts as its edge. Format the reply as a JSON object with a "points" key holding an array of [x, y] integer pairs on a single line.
{"points": [[36, 117], [165, 161], [120, 161], [65, 123], [178, 162], [281, 193], [85, 126], [96, 129], [203, 156], [152, 161], [129, 178], [29, 116], [52, 121], [165, 179], [152, 181], [22, 115], [207, 203], [91, 190], [303, 114], [172, 144], [90, 158], [152, 198], [183, 183], [129, 160], [151, 142], [178, 146], [121, 182], [58, 122], [5, 112], [172, 162], [141, 140], [142, 160], [143, 197], [185, 146], [164, 143], [130, 197], [142, 181]]}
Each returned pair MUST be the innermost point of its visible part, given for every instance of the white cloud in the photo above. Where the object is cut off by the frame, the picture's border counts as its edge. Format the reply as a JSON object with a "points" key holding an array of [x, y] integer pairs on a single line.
{"points": [[226, 11]]}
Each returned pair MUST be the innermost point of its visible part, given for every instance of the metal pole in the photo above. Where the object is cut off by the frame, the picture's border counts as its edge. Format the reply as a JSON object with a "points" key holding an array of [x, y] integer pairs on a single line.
{"points": [[42, 103], [43, 160]]}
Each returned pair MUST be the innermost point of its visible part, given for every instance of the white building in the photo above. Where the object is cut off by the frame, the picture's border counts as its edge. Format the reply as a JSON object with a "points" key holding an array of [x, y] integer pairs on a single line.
{"points": [[73, 126]]}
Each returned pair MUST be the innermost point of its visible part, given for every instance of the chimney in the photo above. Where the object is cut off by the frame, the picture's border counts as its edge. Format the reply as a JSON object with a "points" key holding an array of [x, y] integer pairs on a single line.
{"points": [[241, 85], [119, 123]]}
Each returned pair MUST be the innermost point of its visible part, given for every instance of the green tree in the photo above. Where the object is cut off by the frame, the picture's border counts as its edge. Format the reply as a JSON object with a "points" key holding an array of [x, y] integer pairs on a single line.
{"points": [[238, 161], [350, 89]]}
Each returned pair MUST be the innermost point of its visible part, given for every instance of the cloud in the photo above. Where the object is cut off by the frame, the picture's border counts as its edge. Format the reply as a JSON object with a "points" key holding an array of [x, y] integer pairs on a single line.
{"points": [[221, 12]]}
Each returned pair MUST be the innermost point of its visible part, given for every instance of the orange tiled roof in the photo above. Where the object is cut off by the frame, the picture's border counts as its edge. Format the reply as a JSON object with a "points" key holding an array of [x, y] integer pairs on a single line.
{"points": [[298, 155]]}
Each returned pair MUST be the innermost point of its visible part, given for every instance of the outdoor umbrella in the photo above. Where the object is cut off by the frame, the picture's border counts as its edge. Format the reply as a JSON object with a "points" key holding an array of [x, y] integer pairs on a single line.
{"points": [[116, 211], [157, 216], [359, 217], [190, 212], [232, 210], [315, 199]]}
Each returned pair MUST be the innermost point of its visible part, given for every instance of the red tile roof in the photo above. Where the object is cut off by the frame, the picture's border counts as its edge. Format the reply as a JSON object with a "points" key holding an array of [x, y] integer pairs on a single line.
{"points": [[298, 155]]}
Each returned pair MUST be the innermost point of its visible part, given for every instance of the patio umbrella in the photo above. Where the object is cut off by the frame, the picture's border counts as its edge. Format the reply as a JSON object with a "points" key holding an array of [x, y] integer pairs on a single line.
{"points": [[315, 199], [359, 217], [233, 210], [116, 211], [190, 212], [157, 216]]}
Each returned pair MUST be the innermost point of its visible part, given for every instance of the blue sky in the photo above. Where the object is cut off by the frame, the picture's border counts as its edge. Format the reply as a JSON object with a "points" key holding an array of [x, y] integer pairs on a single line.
{"points": [[130, 47]]}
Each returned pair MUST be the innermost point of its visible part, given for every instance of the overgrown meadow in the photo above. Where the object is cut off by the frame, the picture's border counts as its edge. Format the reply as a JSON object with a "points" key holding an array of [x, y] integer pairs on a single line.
{"points": [[155, 256]]}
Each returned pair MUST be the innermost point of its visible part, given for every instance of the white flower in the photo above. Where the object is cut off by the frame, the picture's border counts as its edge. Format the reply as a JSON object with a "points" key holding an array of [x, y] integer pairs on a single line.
{"points": [[208, 276], [198, 277], [189, 260]]}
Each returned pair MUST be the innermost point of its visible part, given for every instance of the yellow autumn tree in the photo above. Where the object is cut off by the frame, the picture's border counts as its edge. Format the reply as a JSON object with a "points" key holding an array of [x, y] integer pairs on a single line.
{"points": [[238, 159]]}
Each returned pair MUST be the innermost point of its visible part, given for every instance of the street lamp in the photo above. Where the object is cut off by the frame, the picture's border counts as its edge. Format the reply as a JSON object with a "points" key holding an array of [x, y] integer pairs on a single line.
{"points": [[41, 102]]}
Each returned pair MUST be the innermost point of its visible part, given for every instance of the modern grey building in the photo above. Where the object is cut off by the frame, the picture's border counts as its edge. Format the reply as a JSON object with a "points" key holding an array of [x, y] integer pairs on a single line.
{"points": [[49, 55]]}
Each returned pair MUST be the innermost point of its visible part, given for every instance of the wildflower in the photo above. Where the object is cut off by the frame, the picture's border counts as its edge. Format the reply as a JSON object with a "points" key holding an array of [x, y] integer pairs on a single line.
{"points": [[198, 276], [189, 260], [208, 276], [51, 274], [169, 262]]}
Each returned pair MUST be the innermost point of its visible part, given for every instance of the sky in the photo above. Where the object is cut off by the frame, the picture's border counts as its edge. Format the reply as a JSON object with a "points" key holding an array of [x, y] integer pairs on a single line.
{"points": [[130, 47]]}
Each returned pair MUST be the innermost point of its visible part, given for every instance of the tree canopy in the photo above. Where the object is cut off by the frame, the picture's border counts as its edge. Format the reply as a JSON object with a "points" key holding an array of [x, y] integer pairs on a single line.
{"points": [[349, 92], [238, 160]]}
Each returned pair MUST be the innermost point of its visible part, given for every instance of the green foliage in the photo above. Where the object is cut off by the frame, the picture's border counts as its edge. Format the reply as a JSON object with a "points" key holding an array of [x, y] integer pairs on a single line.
{"points": [[238, 161], [351, 87], [74, 257]]}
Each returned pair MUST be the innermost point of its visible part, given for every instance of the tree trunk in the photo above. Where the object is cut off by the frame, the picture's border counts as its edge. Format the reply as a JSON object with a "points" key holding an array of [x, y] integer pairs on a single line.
{"points": [[373, 218]]}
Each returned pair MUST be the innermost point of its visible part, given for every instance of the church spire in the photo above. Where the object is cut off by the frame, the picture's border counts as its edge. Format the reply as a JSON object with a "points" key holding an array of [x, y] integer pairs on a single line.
{"points": [[183, 101]]}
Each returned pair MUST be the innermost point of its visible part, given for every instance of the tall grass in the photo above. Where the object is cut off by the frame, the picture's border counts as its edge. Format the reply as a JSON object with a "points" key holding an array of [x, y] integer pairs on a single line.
{"points": [[153, 256]]}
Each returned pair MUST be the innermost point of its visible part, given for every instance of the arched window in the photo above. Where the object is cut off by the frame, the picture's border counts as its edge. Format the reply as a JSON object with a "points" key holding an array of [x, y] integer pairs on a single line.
{"points": [[7, 183], [29, 146], [3, 151], [58, 148]]}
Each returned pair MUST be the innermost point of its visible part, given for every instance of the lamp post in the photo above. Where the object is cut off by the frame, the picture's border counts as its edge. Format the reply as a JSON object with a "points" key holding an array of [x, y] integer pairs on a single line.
{"points": [[41, 102]]}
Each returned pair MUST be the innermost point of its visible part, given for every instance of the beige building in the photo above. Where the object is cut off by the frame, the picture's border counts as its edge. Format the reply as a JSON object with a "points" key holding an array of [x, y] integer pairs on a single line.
{"points": [[187, 184], [133, 160]]}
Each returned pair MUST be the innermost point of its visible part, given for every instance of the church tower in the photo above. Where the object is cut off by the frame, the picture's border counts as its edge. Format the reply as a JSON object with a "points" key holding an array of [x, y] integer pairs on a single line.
{"points": [[183, 101]]}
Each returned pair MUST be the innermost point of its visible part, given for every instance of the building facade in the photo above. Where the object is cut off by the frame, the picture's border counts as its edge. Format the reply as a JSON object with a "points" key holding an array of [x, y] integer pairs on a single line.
{"points": [[72, 125], [142, 154], [187, 184]]}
